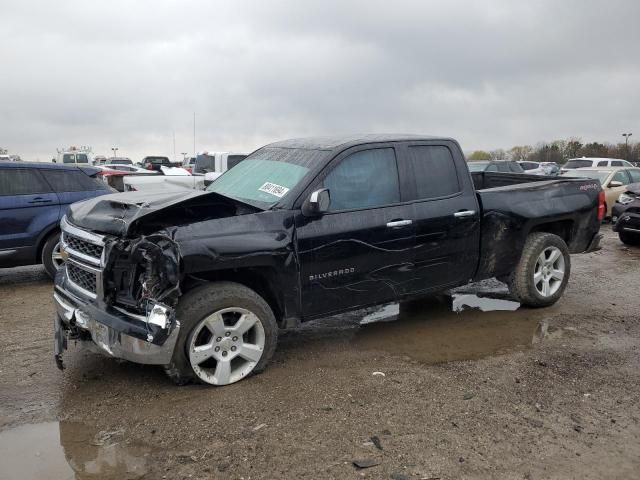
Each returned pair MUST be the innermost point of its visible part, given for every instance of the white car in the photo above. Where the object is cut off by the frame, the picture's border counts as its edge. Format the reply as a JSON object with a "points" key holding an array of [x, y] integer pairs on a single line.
{"points": [[595, 162]]}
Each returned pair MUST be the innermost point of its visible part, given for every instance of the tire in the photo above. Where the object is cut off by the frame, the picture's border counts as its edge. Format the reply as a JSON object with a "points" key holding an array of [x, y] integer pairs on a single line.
{"points": [[49, 249], [536, 281], [629, 238], [201, 330]]}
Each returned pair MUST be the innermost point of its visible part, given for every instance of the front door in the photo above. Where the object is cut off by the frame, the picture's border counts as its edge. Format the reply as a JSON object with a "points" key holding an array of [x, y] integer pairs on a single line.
{"points": [[359, 253]]}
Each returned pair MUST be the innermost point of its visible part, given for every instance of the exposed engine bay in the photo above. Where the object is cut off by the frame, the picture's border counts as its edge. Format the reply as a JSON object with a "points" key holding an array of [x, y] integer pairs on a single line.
{"points": [[142, 273]]}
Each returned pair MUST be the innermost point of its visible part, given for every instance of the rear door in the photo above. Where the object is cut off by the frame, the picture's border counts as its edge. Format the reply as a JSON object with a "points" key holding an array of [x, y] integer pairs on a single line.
{"points": [[359, 253], [74, 185], [445, 214], [27, 207]]}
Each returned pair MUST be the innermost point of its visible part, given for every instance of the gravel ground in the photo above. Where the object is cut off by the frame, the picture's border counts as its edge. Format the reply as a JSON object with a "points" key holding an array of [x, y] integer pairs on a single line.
{"points": [[529, 394]]}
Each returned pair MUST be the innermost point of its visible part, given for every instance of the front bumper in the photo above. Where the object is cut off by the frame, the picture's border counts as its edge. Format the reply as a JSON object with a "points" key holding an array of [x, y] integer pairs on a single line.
{"points": [[114, 333], [625, 219]]}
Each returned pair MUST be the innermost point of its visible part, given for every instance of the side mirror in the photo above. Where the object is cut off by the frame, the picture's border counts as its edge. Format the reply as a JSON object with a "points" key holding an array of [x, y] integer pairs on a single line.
{"points": [[614, 183], [317, 204], [53, 160]]}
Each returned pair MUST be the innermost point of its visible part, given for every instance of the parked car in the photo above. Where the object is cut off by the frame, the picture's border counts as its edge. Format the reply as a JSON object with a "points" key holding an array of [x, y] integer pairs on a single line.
{"points": [[118, 161], [503, 166], [614, 181], [33, 199], [593, 162], [625, 215], [154, 163], [302, 229]]}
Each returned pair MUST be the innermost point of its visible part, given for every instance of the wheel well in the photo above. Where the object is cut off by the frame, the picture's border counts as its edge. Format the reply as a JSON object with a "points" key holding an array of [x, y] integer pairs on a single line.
{"points": [[260, 280], [561, 228], [42, 241]]}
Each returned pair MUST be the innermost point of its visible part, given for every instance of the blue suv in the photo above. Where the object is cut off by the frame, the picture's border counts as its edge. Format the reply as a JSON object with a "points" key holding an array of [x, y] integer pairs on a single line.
{"points": [[33, 199]]}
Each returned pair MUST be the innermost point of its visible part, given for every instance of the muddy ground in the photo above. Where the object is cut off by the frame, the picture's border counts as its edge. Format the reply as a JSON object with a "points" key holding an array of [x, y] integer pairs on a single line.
{"points": [[530, 394]]}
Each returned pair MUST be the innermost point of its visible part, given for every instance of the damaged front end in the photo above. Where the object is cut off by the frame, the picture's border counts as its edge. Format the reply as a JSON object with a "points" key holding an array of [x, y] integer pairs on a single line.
{"points": [[118, 294]]}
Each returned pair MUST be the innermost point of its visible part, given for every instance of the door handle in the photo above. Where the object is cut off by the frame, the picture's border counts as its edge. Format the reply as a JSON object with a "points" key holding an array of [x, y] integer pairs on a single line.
{"points": [[464, 213], [40, 200], [399, 223]]}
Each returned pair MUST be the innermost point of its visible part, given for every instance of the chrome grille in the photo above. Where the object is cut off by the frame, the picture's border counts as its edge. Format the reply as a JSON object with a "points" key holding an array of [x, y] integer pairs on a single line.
{"points": [[82, 246], [84, 265], [84, 279]]}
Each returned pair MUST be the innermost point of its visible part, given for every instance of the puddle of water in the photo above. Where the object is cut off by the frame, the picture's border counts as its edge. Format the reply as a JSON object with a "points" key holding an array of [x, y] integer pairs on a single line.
{"points": [[443, 329], [69, 450]]}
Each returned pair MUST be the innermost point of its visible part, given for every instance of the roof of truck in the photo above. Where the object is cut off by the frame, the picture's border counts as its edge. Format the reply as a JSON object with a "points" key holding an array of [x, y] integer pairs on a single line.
{"points": [[330, 143]]}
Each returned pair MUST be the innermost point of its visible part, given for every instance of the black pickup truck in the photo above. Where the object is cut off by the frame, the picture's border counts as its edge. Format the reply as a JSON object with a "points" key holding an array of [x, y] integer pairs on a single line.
{"points": [[201, 282]]}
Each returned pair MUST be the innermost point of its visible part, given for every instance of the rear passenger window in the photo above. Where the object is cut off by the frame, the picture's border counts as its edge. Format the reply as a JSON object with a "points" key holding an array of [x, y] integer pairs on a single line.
{"points": [[364, 179], [22, 181], [434, 171], [515, 167], [617, 163], [73, 181], [603, 163], [503, 167], [492, 168]]}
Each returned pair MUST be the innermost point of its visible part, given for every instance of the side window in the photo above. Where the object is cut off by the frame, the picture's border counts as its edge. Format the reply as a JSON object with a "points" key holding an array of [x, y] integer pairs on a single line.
{"points": [[364, 179], [617, 163], [70, 181], [21, 181], [503, 167], [635, 175], [602, 163], [492, 168], [434, 171], [621, 176], [516, 168], [233, 160]]}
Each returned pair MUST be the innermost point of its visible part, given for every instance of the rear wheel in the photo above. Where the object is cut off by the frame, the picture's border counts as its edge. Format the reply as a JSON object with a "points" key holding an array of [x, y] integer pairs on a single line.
{"points": [[227, 333], [51, 256], [543, 271], [629, 238]]}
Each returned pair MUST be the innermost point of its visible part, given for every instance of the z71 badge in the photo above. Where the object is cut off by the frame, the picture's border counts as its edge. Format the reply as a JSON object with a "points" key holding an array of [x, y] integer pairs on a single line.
{"points": [[334, 273]]}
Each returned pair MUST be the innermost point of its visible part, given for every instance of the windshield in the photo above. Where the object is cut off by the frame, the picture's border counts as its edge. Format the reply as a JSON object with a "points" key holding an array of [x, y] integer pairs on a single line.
{"points": [[600, 175], [578, 164], [477, 166], [264, 182]]}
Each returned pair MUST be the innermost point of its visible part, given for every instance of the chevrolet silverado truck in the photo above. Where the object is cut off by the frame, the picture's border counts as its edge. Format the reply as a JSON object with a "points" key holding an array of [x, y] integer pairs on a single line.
{"points": [[200, 282]]}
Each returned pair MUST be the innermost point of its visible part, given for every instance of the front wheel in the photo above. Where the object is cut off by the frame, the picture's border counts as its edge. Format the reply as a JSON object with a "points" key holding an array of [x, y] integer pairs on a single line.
{"points": [[629, 238], [543, 271], [227, 333], [52, 258]]}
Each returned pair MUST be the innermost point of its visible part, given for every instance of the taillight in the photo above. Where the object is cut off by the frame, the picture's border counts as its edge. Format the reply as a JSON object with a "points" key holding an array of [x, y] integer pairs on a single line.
{"points": [[601, 206]]}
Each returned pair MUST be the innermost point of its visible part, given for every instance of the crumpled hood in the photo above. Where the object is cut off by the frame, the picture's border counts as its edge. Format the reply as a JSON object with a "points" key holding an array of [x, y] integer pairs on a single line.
{"points": [[120, 213], [633, 188]]}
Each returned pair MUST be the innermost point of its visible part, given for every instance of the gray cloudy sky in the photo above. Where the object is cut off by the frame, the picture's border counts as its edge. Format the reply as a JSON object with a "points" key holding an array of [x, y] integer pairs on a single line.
{"points": [[490, 73]]}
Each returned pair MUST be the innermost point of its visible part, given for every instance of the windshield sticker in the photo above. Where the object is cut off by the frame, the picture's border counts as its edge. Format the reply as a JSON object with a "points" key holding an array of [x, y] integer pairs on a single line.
{"points": [[275, 190]]}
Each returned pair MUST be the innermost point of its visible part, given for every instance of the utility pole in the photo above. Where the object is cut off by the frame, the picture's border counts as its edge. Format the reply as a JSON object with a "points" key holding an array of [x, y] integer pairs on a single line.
{"points": [[194, 134], [114, 150], [174, 146], [626, 143]]}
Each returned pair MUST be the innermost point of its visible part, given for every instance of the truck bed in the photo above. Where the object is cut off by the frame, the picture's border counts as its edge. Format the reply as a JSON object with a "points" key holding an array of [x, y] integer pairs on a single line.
{"points": [[513, 205]]}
